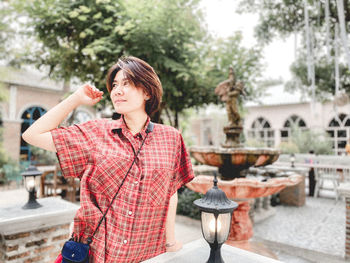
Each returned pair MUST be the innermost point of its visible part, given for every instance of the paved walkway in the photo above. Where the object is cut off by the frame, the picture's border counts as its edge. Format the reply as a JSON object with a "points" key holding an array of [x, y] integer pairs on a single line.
{"points": [[316, 229], [312, 233]]}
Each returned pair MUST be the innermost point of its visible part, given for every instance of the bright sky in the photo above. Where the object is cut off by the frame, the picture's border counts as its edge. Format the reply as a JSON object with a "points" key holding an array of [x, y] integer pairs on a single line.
{"points": [[224, 21]]}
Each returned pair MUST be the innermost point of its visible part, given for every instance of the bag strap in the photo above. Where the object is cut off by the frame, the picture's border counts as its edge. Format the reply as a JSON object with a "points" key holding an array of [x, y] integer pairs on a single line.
{"points": [[149, 129]]}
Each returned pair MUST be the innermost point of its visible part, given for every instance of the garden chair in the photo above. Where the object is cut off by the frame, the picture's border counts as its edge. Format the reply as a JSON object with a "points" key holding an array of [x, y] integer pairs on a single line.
{"points": [[55, 182], [326, 173], [345, 175]]}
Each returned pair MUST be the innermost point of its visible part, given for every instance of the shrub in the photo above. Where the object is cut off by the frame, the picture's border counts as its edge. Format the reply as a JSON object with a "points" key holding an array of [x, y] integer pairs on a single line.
{"points": [[185, 204], [252, 142], [308, 140], [288, 147], [42, 157]]}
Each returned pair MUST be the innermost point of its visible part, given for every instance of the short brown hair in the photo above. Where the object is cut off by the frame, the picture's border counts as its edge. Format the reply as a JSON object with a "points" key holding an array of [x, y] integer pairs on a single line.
{"points": [[142, 75]]}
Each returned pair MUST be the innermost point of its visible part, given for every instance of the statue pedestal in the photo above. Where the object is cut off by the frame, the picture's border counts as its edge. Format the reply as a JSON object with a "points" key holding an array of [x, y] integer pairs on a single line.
{"points": [[232, 136], [241, 224]]}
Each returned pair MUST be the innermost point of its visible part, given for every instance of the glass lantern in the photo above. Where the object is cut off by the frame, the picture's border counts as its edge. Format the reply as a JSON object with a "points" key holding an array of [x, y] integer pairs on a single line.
{"points": [[30, 184], [216, 213]]}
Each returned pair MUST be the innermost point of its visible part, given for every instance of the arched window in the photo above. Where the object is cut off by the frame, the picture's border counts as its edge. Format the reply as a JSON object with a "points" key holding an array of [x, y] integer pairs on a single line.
{"points": [[339, 131], [261, 130], [29, 116], [292, 121]]}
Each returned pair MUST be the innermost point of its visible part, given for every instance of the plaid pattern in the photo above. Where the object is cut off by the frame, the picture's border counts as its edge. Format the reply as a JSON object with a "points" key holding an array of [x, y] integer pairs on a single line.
{"points": [[100, 152]]}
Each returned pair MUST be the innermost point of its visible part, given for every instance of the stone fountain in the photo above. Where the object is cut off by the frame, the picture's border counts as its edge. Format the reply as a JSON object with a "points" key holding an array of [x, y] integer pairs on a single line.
{"points": [[233, 160], [231, 157]]}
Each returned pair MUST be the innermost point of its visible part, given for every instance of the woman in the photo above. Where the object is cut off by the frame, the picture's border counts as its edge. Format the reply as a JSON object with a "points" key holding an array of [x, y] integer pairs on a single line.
{"points": [[140, 223]]}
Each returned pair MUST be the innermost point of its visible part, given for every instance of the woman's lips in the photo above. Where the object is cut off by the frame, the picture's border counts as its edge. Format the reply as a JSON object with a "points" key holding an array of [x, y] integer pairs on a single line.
{"points": [[119, 101]]}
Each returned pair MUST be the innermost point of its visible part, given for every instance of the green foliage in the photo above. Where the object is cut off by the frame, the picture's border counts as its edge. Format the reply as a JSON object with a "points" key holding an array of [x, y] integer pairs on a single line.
{"points": [[307, 140], [83, 38], [284, 18], [3, 97], [324, 77], [4, 29], [251, 142], [223, 53], [3, 154], [185, 204], [185, 126], [43, 157], [288, 147]]}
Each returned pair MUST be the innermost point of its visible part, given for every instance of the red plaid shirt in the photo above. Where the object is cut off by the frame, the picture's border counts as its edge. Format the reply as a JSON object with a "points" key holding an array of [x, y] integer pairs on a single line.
{"points": [[100, 152]]}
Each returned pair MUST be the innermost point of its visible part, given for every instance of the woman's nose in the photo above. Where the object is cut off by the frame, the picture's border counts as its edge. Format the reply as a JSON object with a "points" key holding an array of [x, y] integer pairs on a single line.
{"points": [[118, 90]]}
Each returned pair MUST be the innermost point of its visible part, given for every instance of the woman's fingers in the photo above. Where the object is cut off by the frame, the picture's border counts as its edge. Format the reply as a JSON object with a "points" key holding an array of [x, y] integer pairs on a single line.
{"points": [[93, 92], [94, 95], [88, 90]]}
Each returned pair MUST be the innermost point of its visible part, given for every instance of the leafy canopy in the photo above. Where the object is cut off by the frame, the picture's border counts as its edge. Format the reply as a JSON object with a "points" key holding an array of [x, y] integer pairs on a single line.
{"points": [[284, 18], [83, 38]]}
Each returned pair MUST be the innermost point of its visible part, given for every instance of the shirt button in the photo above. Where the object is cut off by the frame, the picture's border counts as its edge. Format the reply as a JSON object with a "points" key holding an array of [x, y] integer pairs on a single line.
{"points": [[136, 182], [130, 212], [125, 241]]}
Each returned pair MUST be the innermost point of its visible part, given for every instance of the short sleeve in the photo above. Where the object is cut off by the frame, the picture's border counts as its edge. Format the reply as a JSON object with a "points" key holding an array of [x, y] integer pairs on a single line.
{"points": [[73, 145], [183, 172]]}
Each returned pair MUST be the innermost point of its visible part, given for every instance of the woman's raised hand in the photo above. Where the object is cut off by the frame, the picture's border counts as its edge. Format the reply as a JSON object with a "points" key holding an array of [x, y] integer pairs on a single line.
{"points": [[88, 95]]}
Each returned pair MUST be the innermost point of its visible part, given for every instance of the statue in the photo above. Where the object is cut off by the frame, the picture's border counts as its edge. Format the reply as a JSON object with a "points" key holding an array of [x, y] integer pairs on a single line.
{"points": [[228, 91]]}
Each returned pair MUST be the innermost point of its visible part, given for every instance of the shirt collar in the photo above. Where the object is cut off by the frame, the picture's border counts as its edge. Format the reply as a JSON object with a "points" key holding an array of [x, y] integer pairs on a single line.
{"points": [[119, 125]]}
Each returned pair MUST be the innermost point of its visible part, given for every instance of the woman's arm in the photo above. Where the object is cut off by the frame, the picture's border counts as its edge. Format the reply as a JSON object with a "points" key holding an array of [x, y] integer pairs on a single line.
{"points": [[38, 134], [171, 244]]}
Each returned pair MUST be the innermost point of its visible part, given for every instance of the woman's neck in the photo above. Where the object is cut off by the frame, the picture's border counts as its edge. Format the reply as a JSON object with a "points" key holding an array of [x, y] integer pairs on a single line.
{"points": [[135, 122]]}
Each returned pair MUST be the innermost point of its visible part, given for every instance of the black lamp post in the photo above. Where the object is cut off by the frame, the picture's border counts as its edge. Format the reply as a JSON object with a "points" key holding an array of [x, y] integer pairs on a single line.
{"points": [[216, 212], [292, 160], [29, 182]]}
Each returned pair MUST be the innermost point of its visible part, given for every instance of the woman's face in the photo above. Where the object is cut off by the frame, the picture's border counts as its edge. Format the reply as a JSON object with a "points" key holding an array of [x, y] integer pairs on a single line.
{"points": [[127, 98]]}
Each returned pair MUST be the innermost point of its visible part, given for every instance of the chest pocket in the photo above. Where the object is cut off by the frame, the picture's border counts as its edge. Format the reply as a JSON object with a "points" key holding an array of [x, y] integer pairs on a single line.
{"points": [[159, 187]]}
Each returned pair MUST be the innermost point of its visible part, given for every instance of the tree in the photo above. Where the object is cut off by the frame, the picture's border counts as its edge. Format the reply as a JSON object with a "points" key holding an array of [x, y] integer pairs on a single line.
{"points": [[3, 98], [223, 53], [83, 38], [317, 141], [283, 18]]}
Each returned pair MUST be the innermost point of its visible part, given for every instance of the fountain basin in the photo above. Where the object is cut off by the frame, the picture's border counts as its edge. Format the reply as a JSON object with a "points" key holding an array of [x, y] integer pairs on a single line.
{"points": [[242, 189], [231, 161]]}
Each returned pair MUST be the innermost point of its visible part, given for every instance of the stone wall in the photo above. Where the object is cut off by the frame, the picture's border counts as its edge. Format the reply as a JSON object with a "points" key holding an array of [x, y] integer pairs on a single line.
{"points": [[344, 190], [294, 195], [41, 245], [347, 231], [35, 235]]}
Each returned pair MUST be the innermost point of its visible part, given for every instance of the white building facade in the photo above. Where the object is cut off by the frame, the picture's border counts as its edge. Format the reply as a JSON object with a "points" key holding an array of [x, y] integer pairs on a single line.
{"points": [[272, 120], [272, 123], [30, 95]]}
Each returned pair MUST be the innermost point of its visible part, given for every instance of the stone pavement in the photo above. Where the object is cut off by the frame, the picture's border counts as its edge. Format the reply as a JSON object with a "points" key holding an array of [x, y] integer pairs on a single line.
{"points": [[312, 233], [315, 230]]}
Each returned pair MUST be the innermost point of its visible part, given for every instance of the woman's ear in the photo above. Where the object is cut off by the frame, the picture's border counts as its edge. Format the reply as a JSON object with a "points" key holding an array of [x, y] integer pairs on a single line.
{"points": [[146, 96]]}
